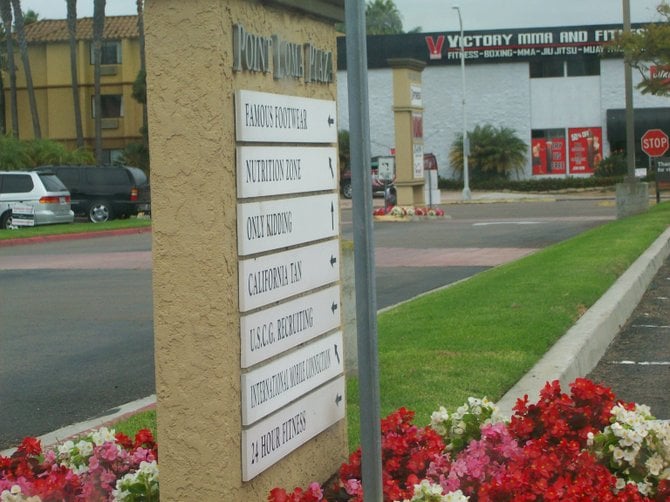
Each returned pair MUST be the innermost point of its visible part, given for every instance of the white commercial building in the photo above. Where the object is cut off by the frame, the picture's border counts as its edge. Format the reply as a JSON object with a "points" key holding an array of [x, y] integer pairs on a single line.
{"points": [[559, 89]]}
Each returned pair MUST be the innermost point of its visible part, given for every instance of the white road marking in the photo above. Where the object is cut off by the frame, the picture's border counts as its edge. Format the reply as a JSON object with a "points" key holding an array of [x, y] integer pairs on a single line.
{"points": [[489, 223], [642, 363], [649, 326]]}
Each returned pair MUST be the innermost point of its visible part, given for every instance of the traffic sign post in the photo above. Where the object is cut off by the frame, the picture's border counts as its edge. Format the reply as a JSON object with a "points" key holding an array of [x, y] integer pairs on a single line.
{"points": [[655, 143]]}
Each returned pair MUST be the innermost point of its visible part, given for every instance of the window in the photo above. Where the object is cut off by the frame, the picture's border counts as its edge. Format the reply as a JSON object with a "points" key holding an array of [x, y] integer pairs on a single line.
{"points": [[583, 67], [16, 183], [546, 68], [111, 105], [548, 151], [111, 53], [576, 67], [113, 157]]}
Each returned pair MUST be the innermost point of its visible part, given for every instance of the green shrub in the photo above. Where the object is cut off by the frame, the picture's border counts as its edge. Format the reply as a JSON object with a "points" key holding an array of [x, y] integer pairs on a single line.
{"points": [[534, 185], [26, 154], [614, 165]]}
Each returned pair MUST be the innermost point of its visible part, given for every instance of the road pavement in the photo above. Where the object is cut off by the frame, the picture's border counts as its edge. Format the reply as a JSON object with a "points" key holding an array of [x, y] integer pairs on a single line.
{"points": [[398, 258]]}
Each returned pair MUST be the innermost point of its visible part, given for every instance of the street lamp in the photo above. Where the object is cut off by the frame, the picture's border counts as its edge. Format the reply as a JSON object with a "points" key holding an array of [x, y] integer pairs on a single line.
{"points": [[466, 142]]}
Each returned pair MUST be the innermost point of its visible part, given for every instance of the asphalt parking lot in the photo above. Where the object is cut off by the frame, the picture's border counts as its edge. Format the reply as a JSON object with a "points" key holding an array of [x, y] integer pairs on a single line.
{"points": [[637, 363]]}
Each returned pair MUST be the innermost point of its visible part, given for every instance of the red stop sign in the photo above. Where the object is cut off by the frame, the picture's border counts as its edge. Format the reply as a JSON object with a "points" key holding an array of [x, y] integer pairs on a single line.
{"points": [[655, 142]]}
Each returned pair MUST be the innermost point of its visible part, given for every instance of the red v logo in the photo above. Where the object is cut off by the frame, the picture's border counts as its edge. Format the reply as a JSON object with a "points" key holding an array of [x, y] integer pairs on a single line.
{"points": [[435, 49]]}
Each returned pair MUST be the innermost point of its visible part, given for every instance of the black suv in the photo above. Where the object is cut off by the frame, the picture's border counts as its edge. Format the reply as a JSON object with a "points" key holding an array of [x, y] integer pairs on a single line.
{"points": [[106, 192]]}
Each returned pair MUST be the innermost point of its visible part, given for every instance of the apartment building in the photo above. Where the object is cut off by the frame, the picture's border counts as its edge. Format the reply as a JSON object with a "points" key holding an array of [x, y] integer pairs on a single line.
{"points": [[49, 53]]}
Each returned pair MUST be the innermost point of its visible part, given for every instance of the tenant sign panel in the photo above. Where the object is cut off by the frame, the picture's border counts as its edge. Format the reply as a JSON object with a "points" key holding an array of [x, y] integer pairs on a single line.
{"points": [[278, 118]]}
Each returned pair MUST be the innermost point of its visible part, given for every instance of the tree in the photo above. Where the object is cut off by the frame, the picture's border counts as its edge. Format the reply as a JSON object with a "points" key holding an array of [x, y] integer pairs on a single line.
{"points": [[142, 77], [6, 13], [23, 50], [494, 153], [98, 29], [72, 32], [649, 52], [382, 17]]}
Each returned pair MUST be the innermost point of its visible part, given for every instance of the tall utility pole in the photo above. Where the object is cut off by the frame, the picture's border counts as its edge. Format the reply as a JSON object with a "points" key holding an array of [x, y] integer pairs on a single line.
{"points": [[628, 82], [466, 142], [364, 256]]}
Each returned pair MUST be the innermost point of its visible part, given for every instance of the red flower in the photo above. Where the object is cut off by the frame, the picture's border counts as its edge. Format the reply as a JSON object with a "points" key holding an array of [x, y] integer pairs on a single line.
{"points": [[30, 446]]}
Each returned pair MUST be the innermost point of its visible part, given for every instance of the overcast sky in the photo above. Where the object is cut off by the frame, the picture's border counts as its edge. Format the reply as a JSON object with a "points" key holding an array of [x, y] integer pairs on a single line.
{"points": [[437, 15]]}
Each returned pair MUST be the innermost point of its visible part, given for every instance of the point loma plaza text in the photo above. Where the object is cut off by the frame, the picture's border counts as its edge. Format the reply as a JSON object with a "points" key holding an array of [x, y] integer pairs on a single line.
{"points": [[256, 53]]}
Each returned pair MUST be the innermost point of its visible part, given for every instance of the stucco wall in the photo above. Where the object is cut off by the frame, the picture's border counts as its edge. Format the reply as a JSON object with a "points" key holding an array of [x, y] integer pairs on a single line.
{"points": [[496, 94], [191, 86]]}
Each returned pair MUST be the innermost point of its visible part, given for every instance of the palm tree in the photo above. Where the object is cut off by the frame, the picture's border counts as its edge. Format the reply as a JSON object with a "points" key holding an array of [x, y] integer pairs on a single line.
{"points": [[382, 17], [23, 49], [98, 28], [495, 152], [72, 31], [6, 13], [143, 68]]}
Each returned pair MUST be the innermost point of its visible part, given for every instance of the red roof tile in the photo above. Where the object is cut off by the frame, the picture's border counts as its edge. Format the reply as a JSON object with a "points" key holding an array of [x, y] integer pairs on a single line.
{"points": [[55, 30]]}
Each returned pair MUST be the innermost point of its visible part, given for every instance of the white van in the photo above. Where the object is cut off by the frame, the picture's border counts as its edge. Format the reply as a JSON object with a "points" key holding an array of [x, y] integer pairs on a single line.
{"points": [[43, 192]]}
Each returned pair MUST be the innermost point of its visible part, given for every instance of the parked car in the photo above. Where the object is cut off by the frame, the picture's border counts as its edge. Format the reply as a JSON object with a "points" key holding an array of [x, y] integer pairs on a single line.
{"points": [[43, 192], [102, 193], [379, 186]]}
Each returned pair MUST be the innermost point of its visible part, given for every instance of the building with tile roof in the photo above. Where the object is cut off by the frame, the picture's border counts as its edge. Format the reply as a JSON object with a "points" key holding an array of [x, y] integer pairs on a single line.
{"points": [[49, 53]]}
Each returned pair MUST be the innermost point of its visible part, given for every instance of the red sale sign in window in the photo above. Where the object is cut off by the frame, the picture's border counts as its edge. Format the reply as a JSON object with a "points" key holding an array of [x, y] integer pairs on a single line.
{"points": [[548, 155], [586, 150]]}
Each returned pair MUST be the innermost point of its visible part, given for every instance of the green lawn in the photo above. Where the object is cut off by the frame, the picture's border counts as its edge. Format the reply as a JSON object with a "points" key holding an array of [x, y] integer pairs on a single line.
{"points": [[73, 228], [480, 336]]}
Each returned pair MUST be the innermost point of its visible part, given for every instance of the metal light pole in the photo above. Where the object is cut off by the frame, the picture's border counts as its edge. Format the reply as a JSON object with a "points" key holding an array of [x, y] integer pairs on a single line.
{"points": [[628, 83], [466, 142]]}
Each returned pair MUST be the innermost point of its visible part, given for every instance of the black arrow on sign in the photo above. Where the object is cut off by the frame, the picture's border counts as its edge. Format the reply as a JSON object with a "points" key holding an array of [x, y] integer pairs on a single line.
{"points": [[336, 354], [338, 399], [330, 163], [331, 121], [332, 216], [333, 260], [333, 307]]}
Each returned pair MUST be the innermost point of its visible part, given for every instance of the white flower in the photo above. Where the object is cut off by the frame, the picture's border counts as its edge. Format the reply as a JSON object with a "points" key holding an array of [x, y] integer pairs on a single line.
{"points": [[15, 495], [654, 464], [102, 436], [146, 477], [85, 448], [428, 492]]}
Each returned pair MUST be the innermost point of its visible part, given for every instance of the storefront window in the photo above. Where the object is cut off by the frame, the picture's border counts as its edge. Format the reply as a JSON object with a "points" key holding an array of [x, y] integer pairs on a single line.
{"points": [[548, 151]]}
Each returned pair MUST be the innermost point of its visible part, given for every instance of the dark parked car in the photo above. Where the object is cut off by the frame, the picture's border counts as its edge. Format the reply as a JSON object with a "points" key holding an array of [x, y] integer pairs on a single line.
{"points": [[102, 193]]}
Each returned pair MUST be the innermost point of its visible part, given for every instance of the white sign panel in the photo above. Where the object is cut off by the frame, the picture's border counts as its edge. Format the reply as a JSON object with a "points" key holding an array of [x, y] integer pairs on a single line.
{"points": [[415, 95], [274, 330], [264, 171], [418, 160], [274, 224], [273, 277], [274, 385], [23, 215], [267, 442], [386, 168], [272, 118]]}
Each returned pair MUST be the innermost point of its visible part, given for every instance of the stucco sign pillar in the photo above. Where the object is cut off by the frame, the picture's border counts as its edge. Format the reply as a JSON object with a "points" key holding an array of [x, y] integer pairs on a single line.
{"points": [[246, 249], [408, 117]]}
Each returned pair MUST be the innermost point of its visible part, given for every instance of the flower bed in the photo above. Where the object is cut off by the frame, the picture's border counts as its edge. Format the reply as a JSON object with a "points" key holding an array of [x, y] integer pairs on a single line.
{"points": [[100, 467], [407, 213], [585, 446]]}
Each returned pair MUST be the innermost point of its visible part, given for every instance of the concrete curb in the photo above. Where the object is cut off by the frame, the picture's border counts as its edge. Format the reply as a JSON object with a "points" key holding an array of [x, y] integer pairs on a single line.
{"points": [[70, 431], [580, 349]]}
